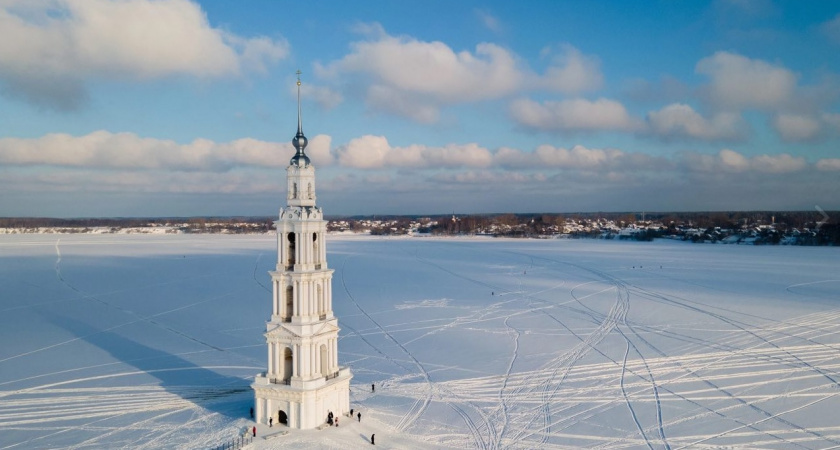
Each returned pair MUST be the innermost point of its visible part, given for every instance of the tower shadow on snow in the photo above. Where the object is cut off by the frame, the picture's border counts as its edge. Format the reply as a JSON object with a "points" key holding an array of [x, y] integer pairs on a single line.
{"points": [[217, 393]]}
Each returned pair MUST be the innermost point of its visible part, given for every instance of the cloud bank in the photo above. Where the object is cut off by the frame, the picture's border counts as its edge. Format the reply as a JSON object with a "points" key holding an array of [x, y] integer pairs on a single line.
{"points": [[52, 49], [415, 79]]}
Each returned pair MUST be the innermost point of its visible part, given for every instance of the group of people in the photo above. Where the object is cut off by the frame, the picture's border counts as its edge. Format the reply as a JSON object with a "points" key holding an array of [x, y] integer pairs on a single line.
{"points": [[331, 420]]}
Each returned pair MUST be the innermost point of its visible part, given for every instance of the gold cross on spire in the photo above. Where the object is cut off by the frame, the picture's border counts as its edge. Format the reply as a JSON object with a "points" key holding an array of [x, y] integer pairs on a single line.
{"points": [[298, 76]]}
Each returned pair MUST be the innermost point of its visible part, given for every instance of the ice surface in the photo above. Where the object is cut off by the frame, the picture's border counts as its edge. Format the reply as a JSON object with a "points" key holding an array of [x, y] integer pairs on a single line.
{"points": [[152, 342]]}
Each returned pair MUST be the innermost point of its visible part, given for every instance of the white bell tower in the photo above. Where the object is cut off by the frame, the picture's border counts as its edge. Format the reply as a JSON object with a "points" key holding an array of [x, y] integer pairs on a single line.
{"points": [[303, 382]]}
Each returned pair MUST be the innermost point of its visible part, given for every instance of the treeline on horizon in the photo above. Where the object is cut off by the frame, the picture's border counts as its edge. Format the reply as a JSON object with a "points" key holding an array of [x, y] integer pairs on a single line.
{"points": [[700, 219], [798, 219], [760, 227], [723, 219], [197, 223]]}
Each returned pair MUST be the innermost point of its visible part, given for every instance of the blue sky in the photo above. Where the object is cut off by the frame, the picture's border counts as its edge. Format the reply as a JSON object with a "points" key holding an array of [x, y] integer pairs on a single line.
{"points": [[184, 108]]}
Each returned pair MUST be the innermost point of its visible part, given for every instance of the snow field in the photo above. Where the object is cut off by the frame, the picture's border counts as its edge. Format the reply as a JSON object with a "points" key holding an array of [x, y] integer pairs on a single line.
{"points": [[152, 342]]}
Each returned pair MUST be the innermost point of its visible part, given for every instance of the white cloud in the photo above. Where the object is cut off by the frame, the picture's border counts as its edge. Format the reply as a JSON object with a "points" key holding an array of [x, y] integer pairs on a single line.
{"points": [[414, 78], [406, 104], [489, 178], [578, 158], [831, 29], [796, 127], [73, 41], [783, 163], [123, 163], [738, 82], [829, 164], [431, 68], [365, 152], [257, 53], [489, 21], [105, 150], [571, 71], [679, 120], [733, 161], [319, 150], [573, 115], [729, 161], [374, 152], [832, 120]]}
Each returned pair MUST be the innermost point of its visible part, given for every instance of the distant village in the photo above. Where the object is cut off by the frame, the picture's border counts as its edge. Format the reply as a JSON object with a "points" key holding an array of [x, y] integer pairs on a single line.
{"points": [[751, 228]]}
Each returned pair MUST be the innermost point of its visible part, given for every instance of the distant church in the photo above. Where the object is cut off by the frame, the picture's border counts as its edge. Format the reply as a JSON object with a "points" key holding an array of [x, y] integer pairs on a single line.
{"points": [[303, 382]]}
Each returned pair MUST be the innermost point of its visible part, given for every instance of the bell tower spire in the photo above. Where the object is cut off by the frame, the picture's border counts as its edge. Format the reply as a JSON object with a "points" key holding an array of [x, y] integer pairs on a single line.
{"points": [[300, 174], [299, 141]]}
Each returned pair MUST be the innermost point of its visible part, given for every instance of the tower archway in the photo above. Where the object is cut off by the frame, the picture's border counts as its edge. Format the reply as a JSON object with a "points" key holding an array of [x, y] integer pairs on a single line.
{"points": [[316, 251], [287, 365], [290, 254]]}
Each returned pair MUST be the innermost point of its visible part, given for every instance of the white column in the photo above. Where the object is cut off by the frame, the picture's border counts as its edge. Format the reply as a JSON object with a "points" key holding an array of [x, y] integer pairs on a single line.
{"points": [[304, 303], [304, 362], [296, 297], [310, 296], [280, 246], [270, 359], [279, 358], [323, 247], [313, 358], [276, 296], [298, 249], [316, 355], [304, 365], [308, 249], [311, 249], [329, 296], [295, 360]]}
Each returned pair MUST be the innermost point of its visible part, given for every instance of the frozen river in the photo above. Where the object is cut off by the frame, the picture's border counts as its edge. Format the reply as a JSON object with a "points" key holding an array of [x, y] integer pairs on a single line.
{"points": [[152, 341]]}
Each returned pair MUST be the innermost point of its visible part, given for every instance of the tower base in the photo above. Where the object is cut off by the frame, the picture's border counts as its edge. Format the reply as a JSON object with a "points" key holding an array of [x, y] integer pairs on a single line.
{"points": [[301, 404]]}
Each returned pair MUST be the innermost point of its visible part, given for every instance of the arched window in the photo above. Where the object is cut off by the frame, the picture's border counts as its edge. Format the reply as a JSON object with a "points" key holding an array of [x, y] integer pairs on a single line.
{"points": [[315, 251], [290, 255], [287, 365]]}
